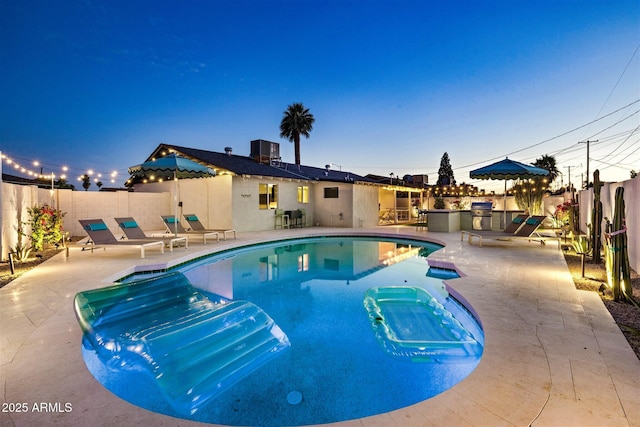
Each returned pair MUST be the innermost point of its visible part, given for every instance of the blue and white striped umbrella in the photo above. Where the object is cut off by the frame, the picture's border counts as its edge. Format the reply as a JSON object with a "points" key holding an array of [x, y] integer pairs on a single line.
{"points": [[173, 167], [508, 169]]}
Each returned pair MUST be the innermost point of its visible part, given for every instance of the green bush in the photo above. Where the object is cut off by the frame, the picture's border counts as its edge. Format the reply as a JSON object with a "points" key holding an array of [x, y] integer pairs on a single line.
{"points": [[21, 251], [46, 226]]}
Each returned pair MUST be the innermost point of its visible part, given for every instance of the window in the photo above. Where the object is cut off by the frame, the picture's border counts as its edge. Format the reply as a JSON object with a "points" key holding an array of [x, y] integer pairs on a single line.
{"points": [[303, 194], [331, 264], [303, 262], [268, 268], [331, 193], [268, 197]]}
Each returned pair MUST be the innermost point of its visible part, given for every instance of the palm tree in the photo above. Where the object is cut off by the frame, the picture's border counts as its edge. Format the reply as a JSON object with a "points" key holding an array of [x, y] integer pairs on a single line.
{"points": [[296, 121], [86, 181], [549, 163]]}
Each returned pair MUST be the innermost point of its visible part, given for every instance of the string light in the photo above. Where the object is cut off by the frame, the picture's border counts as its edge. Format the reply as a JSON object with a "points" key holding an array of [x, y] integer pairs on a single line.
{"points": [[51, 175]]}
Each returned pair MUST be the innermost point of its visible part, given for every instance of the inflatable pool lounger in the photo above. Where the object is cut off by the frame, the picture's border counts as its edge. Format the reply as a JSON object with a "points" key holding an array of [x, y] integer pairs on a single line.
{"points": [[411, 324], [193, 347]]}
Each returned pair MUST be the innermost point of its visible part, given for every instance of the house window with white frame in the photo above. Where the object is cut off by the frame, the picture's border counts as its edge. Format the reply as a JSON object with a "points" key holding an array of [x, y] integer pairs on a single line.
{"points": [[303, 194], [268, 197]]}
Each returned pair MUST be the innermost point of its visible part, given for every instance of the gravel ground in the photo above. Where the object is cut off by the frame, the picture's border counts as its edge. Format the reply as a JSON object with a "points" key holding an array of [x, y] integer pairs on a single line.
{"points": [[23, 267], [627, 316]]}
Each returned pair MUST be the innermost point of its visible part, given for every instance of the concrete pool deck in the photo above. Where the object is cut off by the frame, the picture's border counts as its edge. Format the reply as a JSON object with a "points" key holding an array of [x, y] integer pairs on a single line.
{"points": [[553, 355]]}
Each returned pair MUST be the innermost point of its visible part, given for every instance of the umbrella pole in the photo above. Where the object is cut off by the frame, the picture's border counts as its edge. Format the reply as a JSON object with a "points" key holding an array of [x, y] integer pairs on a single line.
{"points": [[175, 202], [504, 208]]}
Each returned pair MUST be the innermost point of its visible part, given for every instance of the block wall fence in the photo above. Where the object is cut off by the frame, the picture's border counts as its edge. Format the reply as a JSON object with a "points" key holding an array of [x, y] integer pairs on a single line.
{"points": [[146, 208], [16, 199]]}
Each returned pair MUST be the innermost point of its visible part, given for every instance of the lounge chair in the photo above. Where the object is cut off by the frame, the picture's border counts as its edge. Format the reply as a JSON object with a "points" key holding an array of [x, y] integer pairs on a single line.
{"points": [[99, 234], [386, 216], [196, 225], [530, 226], [131, 229], [516, 223], [529, 230], [174, 227]]}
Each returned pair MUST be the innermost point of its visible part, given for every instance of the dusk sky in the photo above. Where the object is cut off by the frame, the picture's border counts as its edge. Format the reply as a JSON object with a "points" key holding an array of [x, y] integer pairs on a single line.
{"points": [[392, 84]]}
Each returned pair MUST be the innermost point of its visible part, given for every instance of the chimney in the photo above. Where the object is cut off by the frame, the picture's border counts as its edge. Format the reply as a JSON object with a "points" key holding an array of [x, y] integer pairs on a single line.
{"points": [[228, 150]]}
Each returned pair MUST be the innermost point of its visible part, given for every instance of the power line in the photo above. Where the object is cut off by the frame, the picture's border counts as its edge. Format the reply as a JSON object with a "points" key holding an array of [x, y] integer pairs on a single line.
{"points": [[604, 142], [619, 78], [624, 158], [622, 143], [615, 124], [570, 149], [557, 136], [617, 83]]}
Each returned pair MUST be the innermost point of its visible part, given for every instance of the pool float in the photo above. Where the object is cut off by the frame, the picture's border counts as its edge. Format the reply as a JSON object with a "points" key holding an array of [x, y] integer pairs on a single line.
{"points": [[412, 325], [193, 347]]}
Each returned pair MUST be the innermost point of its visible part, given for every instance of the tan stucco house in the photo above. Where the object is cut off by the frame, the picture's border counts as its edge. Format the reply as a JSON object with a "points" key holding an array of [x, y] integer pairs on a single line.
{"points": [[247, 191]]}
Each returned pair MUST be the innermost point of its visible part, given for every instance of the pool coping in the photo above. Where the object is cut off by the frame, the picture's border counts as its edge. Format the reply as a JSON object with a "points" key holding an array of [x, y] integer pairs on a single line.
{"points": [[547, 358]]}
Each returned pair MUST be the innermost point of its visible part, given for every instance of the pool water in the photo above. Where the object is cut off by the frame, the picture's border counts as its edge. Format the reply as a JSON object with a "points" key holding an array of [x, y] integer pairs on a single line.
{"points": [[334, 365]]}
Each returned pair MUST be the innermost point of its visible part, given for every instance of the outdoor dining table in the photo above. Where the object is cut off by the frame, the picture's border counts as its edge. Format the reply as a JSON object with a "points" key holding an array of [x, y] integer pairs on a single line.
{"points": [[295, 218]]}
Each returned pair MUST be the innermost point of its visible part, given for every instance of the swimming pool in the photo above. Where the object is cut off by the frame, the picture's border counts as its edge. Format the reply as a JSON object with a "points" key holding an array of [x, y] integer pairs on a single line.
{"points": [[328, 363]]}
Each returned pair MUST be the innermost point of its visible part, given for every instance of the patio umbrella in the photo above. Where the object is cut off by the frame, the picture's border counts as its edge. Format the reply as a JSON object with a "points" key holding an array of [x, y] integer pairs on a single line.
{"points": [[173, 167], [508, 169]]}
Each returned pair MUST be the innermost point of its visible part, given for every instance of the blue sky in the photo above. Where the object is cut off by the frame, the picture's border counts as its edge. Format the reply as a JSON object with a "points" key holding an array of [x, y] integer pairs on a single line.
{"points": [[392, 84]]}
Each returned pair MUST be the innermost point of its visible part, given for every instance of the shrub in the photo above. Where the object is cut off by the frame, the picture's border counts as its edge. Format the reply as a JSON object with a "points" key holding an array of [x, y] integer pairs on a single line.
{"points": [[21, 251], [46, 226]]}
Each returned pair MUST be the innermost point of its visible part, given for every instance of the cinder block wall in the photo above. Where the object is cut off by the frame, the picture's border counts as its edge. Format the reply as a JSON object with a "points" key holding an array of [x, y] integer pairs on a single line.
{"points": [[146, 208]]}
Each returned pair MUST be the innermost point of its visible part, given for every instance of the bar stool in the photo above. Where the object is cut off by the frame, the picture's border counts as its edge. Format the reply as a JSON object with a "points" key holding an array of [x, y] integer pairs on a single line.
{"points": [[282, 219]]}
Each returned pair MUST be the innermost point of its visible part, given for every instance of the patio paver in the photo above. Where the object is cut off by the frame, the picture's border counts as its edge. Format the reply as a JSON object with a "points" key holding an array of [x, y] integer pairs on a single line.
{"points": [[553, 355]]}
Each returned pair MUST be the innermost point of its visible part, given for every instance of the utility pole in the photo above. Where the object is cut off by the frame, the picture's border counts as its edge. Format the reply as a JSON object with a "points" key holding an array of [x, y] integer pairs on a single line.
{"points": [[587, 142], [569, 173]]}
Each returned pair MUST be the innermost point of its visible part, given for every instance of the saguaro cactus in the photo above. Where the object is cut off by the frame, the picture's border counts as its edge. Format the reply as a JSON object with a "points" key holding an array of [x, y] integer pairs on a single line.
{"points": [[596, 219], [617, 254], [574, 215]]}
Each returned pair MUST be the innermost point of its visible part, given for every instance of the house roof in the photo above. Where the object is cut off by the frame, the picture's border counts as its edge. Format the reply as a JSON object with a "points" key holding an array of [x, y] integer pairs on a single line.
{"points": [[39, 182], [396, 182], [12, 179], [244, 165]]}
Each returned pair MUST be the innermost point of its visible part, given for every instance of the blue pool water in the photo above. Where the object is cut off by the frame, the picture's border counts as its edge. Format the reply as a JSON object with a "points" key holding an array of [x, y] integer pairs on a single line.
{"points": [[324, 353], [442, 273]]}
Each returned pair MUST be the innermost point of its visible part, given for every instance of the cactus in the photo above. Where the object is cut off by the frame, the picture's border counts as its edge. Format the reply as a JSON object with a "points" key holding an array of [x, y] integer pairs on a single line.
{"points": [[596, 219], [574, 216], [618, 270]]}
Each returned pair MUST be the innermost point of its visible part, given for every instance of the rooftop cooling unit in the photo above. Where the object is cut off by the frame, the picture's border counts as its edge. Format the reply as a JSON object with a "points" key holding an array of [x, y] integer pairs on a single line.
{"points": [[265, 151]]}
